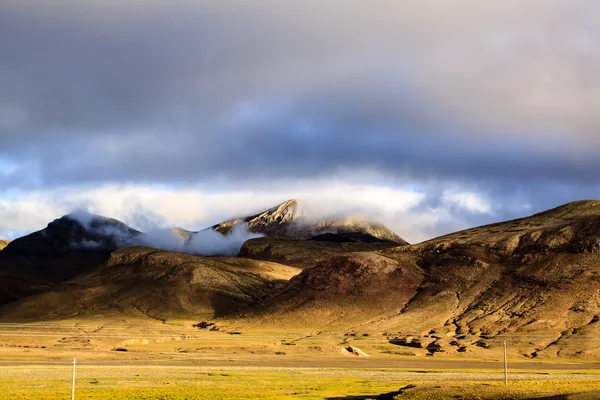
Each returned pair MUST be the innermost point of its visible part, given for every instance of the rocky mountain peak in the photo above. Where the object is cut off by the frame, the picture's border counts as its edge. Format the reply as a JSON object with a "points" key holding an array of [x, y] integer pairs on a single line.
{"points": [[290, 220], [284, 213]]}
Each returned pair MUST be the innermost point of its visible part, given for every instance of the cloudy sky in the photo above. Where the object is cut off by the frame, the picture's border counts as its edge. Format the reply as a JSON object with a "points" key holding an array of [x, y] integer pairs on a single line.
{"points": [[430, 116]]}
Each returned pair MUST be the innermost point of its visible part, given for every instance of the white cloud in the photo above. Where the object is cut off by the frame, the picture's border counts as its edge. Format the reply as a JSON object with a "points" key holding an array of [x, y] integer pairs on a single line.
{"points": [[470, 201], [23, 215]]}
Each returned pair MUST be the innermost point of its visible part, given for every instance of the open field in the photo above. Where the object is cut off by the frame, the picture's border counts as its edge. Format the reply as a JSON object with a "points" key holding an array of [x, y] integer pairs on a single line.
{"points": [[136, 381], [175, 361]]}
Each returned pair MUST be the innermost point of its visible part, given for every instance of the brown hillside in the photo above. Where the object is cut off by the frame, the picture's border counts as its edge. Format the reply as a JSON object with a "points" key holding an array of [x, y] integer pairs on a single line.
{"points": [[571, 228], [343, 291], [3, 244], [303, 253], [139, 281]]}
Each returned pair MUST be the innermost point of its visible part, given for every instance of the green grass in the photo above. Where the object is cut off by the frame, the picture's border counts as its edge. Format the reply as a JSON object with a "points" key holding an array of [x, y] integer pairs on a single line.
{"points": [[178, 383], [143, 382]]}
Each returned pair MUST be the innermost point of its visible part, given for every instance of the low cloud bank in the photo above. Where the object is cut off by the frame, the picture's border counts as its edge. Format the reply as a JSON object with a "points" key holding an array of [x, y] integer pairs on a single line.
{"points": [[205, 243], [209, 242]]}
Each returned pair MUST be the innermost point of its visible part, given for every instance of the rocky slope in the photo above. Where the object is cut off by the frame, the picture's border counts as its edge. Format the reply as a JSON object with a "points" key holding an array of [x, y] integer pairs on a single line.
{"points": [[537, 278], [290, 221]]}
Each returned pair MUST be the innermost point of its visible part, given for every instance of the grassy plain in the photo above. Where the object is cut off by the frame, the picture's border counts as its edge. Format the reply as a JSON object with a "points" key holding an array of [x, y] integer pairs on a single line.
{"points": [[137, 381], [141, 360]]}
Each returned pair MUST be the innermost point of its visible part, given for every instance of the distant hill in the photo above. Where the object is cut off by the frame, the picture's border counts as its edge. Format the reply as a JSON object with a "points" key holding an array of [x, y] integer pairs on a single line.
{"points": [[3, 244], [289, 220]]}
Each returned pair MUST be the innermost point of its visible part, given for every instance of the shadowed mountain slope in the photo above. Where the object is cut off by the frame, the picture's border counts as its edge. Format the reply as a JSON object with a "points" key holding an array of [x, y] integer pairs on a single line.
{"points": [[65, 248], [73, 233]]}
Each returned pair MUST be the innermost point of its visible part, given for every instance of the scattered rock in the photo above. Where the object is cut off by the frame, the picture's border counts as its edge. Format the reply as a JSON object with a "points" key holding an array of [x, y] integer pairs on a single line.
{"points": [[355, 351], [204, 325]]}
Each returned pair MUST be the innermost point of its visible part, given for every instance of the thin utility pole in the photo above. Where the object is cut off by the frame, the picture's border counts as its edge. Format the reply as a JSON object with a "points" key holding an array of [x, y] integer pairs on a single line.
{"points": [[73, 387], [505, 366]]}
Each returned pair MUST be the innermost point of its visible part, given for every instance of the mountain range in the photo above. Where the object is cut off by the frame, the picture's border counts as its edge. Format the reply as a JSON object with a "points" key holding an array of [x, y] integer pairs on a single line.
{"points": [[535, 279]]}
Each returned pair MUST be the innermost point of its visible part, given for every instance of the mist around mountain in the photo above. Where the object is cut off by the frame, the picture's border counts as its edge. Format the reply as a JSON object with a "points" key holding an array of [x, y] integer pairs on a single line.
{"points": [[87, 232]]}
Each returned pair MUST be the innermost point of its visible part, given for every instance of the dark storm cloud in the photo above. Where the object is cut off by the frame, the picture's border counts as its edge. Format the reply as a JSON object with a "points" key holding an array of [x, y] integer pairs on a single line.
{"points": [[499, 96]]}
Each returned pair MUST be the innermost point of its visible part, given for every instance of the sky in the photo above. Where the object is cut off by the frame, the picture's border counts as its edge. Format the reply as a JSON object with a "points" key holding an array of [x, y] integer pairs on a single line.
{"points": [[429, 116]]}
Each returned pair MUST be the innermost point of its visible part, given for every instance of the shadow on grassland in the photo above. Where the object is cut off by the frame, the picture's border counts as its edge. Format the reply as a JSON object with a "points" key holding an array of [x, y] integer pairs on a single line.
{"points": [[576, 396], [392, 395], [383, 396]]}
